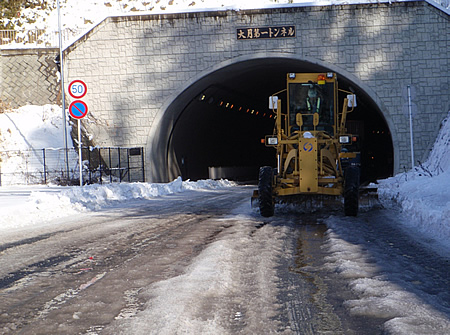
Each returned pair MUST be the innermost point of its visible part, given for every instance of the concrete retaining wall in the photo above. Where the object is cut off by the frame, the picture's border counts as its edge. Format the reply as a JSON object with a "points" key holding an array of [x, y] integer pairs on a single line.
{"points": [[29, 76]]}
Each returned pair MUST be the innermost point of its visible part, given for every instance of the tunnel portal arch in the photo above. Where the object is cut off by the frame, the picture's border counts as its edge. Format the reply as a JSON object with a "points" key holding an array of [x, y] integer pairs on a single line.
{"points": [[193, 131]]}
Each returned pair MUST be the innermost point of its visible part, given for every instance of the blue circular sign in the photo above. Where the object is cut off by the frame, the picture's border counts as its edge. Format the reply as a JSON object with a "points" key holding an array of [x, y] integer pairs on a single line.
{"points": [[78, 109]]}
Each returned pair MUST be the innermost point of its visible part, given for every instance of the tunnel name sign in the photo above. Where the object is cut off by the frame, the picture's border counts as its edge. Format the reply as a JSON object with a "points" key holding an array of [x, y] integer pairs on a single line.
{"points": [[265, 32]]}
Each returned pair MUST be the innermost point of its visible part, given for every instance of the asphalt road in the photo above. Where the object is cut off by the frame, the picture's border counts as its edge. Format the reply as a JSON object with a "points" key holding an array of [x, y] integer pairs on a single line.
{"points": [[155, 267]]}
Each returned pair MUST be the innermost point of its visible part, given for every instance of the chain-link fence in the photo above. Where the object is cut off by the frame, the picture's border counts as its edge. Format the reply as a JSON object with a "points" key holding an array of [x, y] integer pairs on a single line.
{"points": [[58, 166]]}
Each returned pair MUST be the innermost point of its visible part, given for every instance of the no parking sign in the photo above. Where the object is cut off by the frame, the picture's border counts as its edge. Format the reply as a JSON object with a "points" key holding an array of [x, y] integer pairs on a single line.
{"points": [[78, 109]]}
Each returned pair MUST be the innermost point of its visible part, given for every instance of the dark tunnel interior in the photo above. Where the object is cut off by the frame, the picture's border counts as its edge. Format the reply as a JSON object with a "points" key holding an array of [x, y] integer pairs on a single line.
{"points": [[218, 133]]}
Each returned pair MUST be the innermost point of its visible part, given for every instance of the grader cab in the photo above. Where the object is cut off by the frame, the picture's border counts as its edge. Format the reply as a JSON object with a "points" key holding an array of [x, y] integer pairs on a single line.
{"points": [[314, 152]]}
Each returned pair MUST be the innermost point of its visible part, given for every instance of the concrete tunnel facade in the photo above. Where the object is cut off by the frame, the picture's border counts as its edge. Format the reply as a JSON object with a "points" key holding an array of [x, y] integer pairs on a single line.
{"points": [[262, 65], [145, 75]]}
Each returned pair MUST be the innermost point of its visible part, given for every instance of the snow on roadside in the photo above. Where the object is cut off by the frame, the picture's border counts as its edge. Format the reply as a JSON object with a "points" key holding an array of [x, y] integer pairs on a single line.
{"points": [[29, 129], [423, 193], [380, 292], [44, 205]]}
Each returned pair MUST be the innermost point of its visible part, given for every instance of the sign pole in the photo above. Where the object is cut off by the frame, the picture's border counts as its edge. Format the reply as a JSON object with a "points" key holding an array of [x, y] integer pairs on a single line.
{"points": [[63, 96], [80, 160], [410, 126], [78, 110]]}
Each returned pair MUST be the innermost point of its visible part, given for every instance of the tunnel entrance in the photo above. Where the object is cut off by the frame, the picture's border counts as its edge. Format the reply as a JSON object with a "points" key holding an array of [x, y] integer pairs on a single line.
{"points": [[219, 128]]}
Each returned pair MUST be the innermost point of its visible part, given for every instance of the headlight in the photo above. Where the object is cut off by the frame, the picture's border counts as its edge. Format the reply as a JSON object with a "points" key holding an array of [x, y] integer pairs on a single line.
{"points": [[271, 140], [344, 139]]}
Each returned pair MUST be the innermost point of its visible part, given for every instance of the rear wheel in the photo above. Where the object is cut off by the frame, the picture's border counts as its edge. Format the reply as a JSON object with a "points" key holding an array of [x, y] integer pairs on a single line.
{"points": [[351, 191], [266, 205]]}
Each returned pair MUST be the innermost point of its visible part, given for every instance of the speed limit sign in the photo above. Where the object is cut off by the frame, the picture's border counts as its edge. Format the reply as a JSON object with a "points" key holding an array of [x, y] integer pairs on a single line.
{"points": [[77, 89]]}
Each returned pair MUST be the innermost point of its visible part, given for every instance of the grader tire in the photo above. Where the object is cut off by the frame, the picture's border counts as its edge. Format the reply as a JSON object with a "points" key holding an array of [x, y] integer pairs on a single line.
{"points": [[351, 191], [266, 204]]}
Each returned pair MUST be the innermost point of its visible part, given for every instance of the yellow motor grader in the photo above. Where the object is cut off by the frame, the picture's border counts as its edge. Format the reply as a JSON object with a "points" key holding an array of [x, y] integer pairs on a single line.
{"points": [[314, 152]]}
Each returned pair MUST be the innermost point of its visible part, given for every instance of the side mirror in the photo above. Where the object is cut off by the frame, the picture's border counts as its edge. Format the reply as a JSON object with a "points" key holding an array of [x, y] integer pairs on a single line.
{"points": [[273, 102], [351, 100]]}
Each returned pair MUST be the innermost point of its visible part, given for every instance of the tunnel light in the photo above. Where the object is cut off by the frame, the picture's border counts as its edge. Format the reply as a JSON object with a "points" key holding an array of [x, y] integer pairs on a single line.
{"points": [[202, 97]]}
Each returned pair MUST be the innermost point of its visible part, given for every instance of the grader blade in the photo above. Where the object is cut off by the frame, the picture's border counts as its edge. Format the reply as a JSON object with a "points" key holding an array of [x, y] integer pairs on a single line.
{"points": [[368, 197], [308, 203]]}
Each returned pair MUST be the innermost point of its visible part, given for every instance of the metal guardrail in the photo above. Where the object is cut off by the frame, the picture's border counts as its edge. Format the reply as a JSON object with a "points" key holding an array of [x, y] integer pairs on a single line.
{"points": [[44, 166], [39, 37]]}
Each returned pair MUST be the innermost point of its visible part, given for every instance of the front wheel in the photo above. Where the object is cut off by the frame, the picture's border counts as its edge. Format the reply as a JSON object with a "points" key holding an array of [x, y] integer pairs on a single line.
{"points": [[266, 204], [351, 191]]}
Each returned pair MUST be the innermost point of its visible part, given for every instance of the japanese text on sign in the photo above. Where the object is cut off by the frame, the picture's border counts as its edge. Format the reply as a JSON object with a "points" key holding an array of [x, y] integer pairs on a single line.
{"points": [[265, 32]]}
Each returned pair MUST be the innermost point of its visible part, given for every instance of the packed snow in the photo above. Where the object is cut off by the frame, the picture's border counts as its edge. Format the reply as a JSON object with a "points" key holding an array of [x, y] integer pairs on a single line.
{"points": [[384, 287], [230, 282]]}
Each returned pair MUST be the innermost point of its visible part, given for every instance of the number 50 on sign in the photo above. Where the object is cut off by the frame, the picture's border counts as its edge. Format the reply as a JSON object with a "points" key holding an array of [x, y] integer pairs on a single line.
{"points": [[77, 89]]}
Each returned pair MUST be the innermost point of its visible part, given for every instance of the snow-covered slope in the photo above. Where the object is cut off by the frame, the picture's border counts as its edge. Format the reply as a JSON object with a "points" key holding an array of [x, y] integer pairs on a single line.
{"points": [[423, 193], [82, 14]]}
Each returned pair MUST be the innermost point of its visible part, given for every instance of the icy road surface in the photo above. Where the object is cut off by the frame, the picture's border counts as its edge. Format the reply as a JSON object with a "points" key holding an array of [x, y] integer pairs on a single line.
{"points": [[204, 262]]}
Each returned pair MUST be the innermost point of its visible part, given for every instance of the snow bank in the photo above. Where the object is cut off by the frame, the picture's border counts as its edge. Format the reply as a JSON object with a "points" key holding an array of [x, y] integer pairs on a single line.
{"points": [[19, 130], [95, 197], [423, 193], [46, 204], [24, 132]]}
